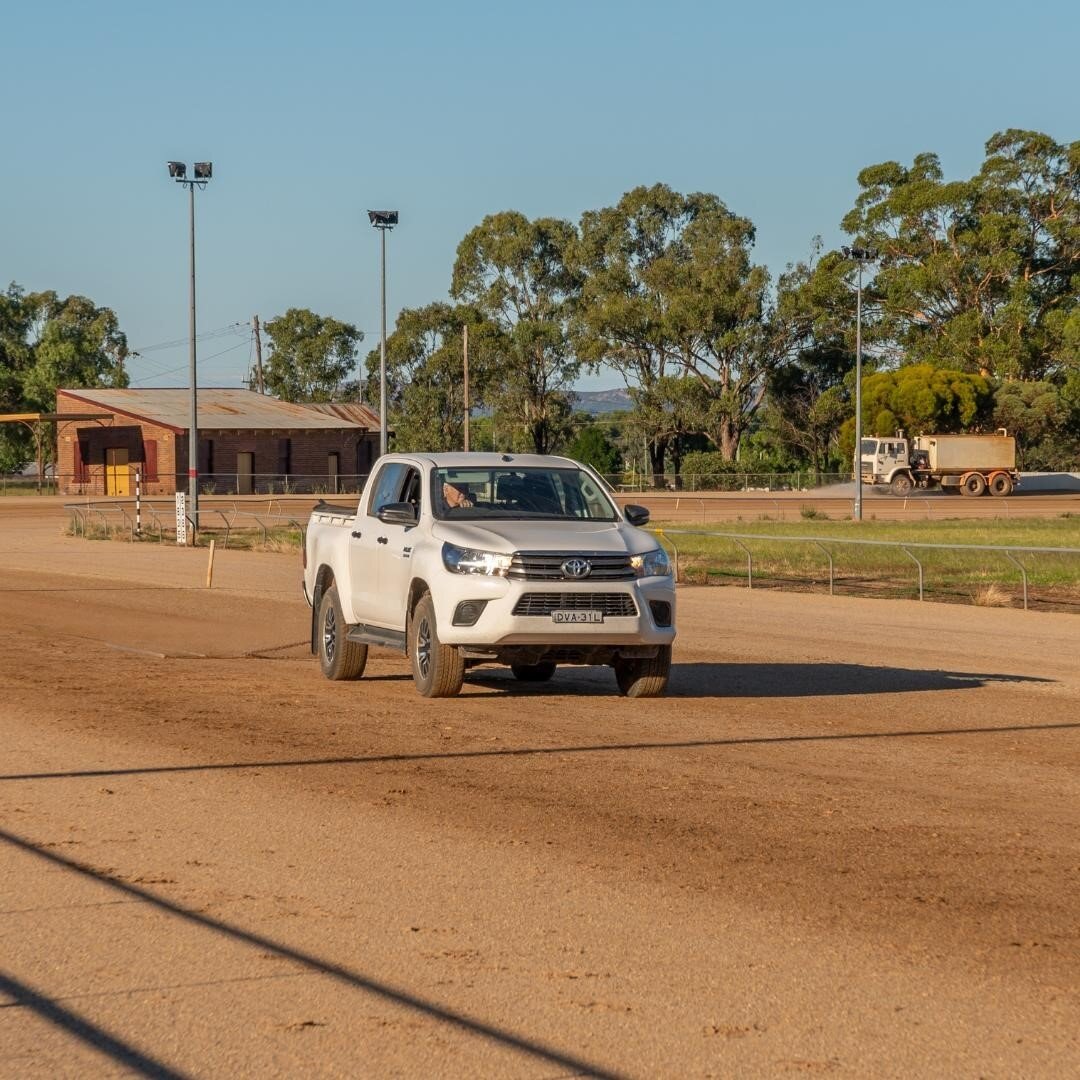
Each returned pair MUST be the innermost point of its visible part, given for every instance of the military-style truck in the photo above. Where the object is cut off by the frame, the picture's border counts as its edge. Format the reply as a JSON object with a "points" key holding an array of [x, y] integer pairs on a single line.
{"points": [[969, 464]]}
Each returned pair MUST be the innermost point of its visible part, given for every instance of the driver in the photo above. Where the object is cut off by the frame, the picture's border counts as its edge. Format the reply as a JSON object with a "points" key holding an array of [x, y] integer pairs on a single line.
{"points": [[455, 496]]}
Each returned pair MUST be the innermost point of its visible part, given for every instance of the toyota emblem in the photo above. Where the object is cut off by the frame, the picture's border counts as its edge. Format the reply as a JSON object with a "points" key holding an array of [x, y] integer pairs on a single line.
{"points": [[576, 568]]}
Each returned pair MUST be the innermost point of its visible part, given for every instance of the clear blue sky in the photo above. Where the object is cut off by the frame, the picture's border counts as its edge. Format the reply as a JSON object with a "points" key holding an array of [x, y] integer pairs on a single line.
{"points": [[312, 113]]}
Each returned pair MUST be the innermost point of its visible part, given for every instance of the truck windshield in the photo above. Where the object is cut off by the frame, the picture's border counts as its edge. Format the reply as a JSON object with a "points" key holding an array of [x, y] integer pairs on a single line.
{"points": [[473, 494], [869, 446]]}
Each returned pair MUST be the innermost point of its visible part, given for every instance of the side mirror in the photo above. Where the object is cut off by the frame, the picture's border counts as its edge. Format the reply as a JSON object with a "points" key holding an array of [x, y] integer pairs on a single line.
{"points": [[398, 514], [636, 515]]}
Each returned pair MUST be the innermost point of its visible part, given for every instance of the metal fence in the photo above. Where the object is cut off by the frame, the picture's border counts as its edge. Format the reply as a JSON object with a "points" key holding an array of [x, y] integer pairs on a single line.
{"points": [[914, 552]]}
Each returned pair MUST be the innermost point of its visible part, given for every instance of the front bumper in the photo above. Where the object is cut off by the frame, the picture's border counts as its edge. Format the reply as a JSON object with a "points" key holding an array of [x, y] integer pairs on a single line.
{"points": [[498, 625]]}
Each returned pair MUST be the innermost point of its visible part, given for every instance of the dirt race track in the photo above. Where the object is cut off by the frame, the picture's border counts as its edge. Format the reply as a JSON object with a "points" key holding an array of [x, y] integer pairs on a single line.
{"points": [[847, 844]]}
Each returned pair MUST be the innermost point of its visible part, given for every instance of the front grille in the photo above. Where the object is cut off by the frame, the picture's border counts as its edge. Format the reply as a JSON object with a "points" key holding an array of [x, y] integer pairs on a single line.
{"points": [[544, 603], [547, 566]]}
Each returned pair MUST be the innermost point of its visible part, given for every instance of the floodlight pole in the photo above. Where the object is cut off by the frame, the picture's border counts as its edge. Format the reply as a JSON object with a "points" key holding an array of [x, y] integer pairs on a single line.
{"points": [[201, 175], [383, 220], [861, 256], [382, 354], [193, 436]]}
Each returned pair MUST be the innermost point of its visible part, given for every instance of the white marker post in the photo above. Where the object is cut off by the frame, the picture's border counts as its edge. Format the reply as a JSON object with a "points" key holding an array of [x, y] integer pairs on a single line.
{"points": [[181, 519]]}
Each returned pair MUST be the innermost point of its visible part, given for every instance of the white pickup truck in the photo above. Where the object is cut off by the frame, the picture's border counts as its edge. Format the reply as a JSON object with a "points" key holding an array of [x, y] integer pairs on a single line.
{"points": [[464, 559]]}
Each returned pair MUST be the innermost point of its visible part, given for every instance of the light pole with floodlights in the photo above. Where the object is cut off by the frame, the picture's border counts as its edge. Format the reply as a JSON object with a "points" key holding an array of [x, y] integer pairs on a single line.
{"points": [[202, 172], [383, 220], [861, 256]]}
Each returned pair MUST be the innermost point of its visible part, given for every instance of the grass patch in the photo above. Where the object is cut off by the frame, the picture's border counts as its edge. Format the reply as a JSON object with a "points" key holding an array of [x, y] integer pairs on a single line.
{"points": [[981, 577]]}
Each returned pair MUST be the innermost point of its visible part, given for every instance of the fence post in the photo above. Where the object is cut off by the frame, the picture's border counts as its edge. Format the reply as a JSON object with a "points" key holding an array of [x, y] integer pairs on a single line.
{"points": [[749, 562], [138, 503], [1023, 574], [919, 565]]}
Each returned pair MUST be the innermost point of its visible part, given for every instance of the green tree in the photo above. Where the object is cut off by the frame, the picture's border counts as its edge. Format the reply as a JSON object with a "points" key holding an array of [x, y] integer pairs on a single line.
{"points": [[515, 273], [668, 286], [980, 274], [425, 375], [45, 343], [312, 356], [594, 446], [1038, 415]]}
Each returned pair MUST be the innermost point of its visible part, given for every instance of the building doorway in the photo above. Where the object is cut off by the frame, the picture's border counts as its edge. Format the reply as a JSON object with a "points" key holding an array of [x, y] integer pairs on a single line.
{"points": [[245, 470], [117, 471]]}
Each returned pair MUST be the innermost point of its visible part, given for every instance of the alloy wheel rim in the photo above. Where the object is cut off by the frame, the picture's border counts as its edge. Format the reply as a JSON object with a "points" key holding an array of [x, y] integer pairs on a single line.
{"points": [[329, 634], [423, 648]]}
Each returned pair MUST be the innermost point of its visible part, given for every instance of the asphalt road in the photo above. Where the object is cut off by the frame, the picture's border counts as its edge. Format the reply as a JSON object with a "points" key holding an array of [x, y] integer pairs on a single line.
{"points": [[848, 842]]}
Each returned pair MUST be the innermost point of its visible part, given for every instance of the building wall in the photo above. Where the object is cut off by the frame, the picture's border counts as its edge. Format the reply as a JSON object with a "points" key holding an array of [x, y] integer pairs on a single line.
{"points": [[161, 455]]}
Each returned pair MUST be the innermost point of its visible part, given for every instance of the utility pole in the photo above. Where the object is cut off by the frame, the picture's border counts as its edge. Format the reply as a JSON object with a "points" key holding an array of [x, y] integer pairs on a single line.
{"points": [[465, 344], [258, 355]]}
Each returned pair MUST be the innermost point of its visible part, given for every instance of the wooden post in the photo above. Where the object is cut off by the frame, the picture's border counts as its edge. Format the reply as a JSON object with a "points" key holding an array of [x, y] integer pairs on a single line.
{"points": [[210, 566], [465, 342], [258, 355]]}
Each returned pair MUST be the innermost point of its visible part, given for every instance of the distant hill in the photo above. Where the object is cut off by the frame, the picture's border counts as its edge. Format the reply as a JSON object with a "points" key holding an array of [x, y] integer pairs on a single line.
{"points": [[596, 402]]}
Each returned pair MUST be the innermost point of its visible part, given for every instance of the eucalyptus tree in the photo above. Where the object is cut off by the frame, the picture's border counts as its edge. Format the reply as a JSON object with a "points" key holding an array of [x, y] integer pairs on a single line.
{"points": [[669, 289], [515, 273], [311, 357], [982, 273], [425, 374]]}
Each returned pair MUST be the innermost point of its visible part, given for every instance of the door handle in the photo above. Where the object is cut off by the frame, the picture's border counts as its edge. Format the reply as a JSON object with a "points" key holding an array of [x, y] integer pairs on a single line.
{"points": [[380, 540], [356, 535]]}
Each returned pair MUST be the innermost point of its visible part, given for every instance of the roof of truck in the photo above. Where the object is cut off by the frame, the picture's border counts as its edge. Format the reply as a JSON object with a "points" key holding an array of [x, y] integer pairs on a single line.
{"points": [[490, 460]]}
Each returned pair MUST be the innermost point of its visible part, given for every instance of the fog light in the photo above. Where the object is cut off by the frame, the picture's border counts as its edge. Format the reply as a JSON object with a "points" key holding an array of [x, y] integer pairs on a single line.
{"points": [[468, 611], [661, 612]]}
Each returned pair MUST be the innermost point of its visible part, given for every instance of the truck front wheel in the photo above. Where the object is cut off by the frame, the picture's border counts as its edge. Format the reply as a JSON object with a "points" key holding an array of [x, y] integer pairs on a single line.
{"points": [[644, 678], [901, 485], [339, 658], [438, 669]]}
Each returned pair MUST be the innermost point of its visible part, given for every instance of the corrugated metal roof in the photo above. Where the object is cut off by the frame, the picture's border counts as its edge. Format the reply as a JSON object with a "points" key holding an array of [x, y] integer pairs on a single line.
{"points": [[219, 408], [354, 411]]}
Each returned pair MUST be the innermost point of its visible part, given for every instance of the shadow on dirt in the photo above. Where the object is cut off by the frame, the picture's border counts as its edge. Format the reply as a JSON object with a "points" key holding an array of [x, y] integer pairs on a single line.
{"points": [[754, 680]]}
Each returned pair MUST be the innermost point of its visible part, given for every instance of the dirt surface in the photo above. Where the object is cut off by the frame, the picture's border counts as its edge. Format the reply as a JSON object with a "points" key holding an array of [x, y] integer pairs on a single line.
{"points": [[848, 842]]}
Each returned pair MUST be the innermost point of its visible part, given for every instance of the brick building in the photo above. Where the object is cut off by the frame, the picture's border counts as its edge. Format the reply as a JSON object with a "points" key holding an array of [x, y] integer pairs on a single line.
{"points": [[248, 443]]}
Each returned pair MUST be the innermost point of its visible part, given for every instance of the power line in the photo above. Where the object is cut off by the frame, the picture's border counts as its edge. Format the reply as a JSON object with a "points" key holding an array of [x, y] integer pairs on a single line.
{"points": [[182, 367]]}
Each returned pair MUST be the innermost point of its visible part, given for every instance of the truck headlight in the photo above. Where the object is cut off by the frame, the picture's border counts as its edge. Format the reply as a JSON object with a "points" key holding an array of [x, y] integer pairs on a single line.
{"points": [[652, 564], [459, 560]]}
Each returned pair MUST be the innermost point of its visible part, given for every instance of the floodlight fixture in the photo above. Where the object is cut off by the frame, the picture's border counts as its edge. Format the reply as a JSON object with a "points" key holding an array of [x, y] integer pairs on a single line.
{"points": [[859, 254], [383, 219], [204, 170], [177, 170]]}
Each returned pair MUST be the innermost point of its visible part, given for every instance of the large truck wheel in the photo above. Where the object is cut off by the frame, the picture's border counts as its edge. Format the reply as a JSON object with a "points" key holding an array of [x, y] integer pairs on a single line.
{"points": [[644, 678], [901, 485], [974, 485], [1001, 484], [533, 672], [438, 669], [339, 658]]}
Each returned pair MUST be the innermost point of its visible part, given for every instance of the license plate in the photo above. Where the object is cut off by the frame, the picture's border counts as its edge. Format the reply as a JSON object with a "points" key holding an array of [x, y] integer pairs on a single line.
{"points": [[577, 616]]}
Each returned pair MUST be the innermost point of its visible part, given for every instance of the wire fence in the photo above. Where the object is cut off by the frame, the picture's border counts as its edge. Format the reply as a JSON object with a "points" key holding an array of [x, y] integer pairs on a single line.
{"points": [[867, 565]]}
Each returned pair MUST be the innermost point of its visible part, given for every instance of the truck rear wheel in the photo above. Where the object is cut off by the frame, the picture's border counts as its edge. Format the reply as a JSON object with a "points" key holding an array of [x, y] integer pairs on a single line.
{"points": [[339, 658], [644, 678], [901, 485], [1001, 484], [973, 484], [438, 669]]}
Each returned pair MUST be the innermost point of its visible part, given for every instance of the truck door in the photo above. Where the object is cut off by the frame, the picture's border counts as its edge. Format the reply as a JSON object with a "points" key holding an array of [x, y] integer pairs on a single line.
{"points": [[381, 557], [365, 551]]}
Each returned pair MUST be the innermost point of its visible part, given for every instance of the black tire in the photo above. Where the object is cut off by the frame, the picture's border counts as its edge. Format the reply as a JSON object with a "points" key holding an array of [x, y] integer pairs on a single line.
{"points": [[1001, 485], [644, 678], [438, 669], [901, 485], [533, 672], [973, 485], [339, 658]]}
